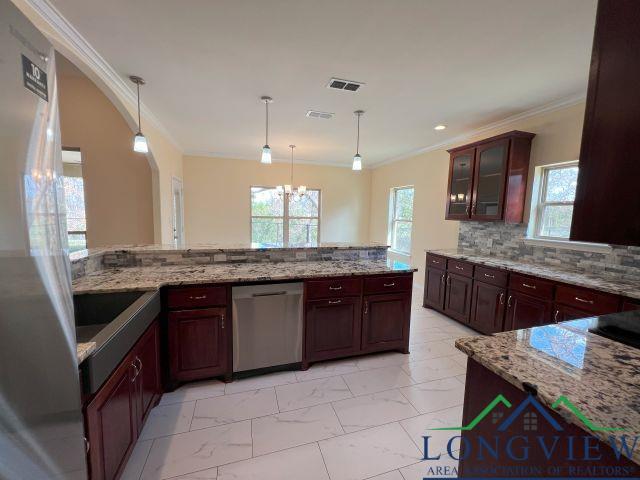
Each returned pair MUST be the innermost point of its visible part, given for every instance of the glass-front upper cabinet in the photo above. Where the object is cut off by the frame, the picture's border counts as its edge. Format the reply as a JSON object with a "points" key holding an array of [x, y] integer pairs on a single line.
{"points": [[489, 180], [460, 184]]}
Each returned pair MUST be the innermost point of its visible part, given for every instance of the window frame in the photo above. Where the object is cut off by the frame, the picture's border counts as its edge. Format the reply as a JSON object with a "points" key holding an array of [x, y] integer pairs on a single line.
{"points": [[393, 221], [541, 204], [84, 197], [285, 214]]}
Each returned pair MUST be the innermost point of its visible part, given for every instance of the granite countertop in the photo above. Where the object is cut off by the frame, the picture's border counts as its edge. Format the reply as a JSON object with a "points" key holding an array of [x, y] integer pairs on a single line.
{"points": [[627, 288], [599, 376], [84, 350], [152, 278]]}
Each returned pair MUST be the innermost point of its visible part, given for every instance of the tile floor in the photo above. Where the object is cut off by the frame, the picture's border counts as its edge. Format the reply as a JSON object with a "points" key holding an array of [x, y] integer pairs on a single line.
{"points": [[354, 419]]}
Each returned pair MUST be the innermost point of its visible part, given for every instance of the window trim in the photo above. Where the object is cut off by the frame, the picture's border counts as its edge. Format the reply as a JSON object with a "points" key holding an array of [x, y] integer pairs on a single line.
{"points": [[541, 204], [285, 215], [391, 227]]}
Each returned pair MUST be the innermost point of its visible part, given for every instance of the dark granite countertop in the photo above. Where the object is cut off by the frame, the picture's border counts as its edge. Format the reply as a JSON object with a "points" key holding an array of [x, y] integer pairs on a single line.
{"points": [[601, 377]]}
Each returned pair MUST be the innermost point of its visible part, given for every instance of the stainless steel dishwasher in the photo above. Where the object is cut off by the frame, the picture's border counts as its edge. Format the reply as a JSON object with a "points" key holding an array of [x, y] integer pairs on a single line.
{"points": [[267, 325]]}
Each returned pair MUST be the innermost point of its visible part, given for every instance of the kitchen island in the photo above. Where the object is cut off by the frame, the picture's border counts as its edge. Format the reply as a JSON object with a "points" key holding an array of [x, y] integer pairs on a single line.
{"points": [[586, 384]]}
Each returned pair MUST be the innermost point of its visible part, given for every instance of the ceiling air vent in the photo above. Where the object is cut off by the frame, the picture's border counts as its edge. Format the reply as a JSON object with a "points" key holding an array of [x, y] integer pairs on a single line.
{"points": [[349, 85], [319, 114]]}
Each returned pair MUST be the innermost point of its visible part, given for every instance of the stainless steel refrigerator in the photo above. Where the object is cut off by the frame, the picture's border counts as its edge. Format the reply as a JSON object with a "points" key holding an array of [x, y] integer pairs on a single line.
{"points": [[41, 430]]}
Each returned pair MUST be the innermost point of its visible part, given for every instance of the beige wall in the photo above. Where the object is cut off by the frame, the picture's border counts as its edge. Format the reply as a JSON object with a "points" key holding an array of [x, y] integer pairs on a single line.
{"points": [[216, 198], [118, 181], [557, 139]]}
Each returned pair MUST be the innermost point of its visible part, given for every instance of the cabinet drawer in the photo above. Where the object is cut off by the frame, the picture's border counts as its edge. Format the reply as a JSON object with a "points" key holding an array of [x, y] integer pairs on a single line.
{"points": [[194, 297], [435, 261], [388, 284], [460, 268], [628, 305], [491, 275], [588, 300], [339, 287], [531, 286]]}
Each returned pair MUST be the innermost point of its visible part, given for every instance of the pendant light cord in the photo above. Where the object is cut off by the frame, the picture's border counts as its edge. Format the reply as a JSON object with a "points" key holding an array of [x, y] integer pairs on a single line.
{"points": [[266, 138], [358, 137], [292, 168], [139, 121]]}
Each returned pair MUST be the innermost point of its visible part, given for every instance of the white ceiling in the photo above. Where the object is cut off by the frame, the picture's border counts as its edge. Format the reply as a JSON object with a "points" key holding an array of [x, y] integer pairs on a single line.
{"points": [[464, 63]]}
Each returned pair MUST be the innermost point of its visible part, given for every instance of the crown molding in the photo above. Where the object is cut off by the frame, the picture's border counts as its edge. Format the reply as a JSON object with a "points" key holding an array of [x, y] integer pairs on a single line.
{"points": [[80, 47], [458, 139], [207, 154]]}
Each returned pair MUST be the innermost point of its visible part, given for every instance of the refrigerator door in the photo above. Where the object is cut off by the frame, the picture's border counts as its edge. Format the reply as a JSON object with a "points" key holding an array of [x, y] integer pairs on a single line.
{"points": [[41, 429]]}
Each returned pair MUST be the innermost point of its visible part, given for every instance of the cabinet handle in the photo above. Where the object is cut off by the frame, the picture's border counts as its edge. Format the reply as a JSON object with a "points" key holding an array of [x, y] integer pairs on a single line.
{"points": [[334, 302], [529, 286], [489, 276], [198, 297], [437, 262], [366, 307], [555, 316], [442, 279], [459, 268], [222, 321], [467, 210], [336, 288], [502, 298], [392, 284], [473, 208], [135, 373], [509, 301], [590, 302], [140, 365], [449, 280], [87, 445]]}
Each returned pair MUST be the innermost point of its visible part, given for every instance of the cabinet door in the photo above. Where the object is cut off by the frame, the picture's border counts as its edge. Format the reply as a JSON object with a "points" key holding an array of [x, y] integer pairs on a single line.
{"points": [[457, 301], [111, 423], [488, 305], [332, 328], [490, 172], [197, 344], [385, 322], [148, 378], [434, 288], [460, 181], [562, 313], [628, 305], [525, 311]]}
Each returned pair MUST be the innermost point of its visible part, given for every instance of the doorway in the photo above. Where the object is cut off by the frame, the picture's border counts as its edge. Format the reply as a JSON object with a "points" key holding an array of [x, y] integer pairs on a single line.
{"points": [[178, 212]]}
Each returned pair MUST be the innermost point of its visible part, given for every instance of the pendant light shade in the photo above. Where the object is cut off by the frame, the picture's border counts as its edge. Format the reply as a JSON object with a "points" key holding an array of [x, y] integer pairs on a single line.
{"points": [[139, 141], [266, 150], [357, 159]]}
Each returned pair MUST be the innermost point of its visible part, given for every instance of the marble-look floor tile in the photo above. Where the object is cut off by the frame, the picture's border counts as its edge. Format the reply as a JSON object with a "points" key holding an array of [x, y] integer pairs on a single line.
{"points": [[328, 369], [208, 474], [393, 475], [460, 359], [194, 391], [435, 395], [433, 369], [260, 381], [290, 429], [370, 452], [303, 462], [371, 410], [198, 450], [133, 469], [459, 330], [438, 442], [424, 351], [442, 468], [168, 420], [313, 392], [428, 335], [377, 380], [421, 324], [462, 378], [378, 360], [233, 408]]}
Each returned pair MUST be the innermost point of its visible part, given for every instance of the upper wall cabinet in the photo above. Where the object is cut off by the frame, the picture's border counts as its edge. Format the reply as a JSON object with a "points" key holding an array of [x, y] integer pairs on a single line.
{"points": [[488, 179], [606, 207]]}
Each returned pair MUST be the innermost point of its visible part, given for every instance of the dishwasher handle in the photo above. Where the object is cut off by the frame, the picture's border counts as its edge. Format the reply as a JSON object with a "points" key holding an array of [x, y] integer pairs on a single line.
{"points": [[269, 294]]}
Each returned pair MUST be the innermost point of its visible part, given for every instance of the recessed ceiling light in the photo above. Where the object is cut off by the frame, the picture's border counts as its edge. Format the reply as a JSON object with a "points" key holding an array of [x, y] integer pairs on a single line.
{"points": [[439, 127]]}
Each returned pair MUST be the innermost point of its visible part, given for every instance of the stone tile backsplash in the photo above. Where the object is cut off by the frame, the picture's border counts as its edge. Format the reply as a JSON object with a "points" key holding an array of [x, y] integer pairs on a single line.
{"points": [[507, 241]]}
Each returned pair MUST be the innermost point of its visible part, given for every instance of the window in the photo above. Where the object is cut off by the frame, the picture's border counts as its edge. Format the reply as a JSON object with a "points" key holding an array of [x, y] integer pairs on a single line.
{"points": [[276, 222], [557, 191], [530, 421], [74, 200], [401, 219]]}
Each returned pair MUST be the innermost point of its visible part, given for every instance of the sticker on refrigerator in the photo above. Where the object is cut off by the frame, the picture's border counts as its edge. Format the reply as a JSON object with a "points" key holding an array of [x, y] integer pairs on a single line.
{"points": [[35, 79]]}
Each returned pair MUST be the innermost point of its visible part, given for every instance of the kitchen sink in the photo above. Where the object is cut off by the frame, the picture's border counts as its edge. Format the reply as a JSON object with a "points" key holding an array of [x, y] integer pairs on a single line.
{"points": [[114, 321]]}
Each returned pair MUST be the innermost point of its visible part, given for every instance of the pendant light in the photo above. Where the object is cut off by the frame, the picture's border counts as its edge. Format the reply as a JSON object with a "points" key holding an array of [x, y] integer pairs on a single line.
{"points": [[266, 150], [139, 141], [289, 191], [357, 159]]}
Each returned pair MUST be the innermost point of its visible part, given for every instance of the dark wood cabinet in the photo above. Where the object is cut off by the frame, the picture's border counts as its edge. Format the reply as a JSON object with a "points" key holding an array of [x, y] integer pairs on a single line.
{"points": [[434, 288], [628, 305], [198, 343], [563, 313], [488, 179], [114, 417], [526, 311], [332, 328], [385, 322], [457, 299], [606, 206], [488, 307]]}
